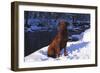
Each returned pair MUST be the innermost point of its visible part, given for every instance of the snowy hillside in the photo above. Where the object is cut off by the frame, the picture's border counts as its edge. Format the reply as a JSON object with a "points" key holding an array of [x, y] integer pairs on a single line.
{"points": [[76, 50]]}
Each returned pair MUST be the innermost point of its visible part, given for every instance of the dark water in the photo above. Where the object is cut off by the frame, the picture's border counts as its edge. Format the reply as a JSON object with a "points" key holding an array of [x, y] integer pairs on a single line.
{"points": [[37, 40]]}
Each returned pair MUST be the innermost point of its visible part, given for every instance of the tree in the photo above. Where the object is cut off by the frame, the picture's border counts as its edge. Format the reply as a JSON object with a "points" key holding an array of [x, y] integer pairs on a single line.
{"points": [[26, 17]]}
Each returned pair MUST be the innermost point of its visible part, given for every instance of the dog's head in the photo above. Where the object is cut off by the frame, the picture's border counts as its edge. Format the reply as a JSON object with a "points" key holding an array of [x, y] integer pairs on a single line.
{"points": [[62, 25]]}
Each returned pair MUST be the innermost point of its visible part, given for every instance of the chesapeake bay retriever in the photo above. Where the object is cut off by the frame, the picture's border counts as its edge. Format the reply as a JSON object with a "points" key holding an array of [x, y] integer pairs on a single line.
{"points": [[59, 42]]}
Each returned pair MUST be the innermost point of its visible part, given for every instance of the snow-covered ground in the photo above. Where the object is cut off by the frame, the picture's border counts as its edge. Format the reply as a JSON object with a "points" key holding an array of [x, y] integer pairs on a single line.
{"points": [[76, 50]]}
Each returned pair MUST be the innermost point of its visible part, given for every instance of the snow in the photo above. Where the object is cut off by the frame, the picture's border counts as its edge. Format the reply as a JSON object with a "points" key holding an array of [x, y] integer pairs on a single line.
{"points": [[76, 51]]}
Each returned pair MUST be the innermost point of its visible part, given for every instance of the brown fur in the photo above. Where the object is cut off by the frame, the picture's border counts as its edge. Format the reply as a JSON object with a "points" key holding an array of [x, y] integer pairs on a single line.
{"points": [[59, 41]]}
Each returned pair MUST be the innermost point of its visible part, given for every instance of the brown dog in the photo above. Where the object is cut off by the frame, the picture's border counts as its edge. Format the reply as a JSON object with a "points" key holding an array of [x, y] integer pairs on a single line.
{"points": [[59, 42]]}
